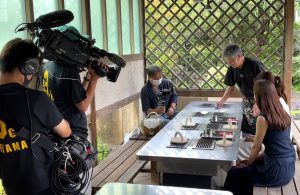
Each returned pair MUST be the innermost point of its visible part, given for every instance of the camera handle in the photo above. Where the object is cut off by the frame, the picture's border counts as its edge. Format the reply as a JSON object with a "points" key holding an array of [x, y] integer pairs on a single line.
{"points": [[98, 70]]}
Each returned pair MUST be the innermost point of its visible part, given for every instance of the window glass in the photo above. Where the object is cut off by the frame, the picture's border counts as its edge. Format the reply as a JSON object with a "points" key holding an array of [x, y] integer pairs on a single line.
{"points": [[12, 13], [41, 7], [112, 26], [136, 26], [125, 26], [96, 15], [75, 7]]}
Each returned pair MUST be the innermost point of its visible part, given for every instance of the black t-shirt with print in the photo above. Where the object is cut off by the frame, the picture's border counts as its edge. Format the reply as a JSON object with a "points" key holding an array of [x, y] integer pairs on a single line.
{"points": [[245, 76], [62, 83], [22, 170]]}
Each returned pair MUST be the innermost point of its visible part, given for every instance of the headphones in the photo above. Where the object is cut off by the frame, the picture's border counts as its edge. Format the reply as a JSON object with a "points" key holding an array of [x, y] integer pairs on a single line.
{"points": [[29, 66]]}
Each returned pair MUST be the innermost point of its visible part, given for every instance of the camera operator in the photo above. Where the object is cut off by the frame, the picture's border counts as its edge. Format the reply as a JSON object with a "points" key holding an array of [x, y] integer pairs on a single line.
{"points": [[158, 95], [26, 115], [62, 83]]}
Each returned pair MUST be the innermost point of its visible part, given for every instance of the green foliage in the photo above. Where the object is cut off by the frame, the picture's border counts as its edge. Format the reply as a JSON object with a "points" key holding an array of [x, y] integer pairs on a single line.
{"points": [[296, 25], [296, 58], [297, 40], [295, 113], [187, 40], [297, 30], [103, 150], [297, 5], [296, 73]]}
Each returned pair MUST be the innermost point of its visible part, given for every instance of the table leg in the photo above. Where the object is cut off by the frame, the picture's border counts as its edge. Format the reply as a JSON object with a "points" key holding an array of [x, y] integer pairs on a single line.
{"points": [[155, 176]]}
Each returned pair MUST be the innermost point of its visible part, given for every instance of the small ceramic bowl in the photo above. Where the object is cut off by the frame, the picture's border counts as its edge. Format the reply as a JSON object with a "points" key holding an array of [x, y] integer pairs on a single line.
{"points": [[204, 112]]}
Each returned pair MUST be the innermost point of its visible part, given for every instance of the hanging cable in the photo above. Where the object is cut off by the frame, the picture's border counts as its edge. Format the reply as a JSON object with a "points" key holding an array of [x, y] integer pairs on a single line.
{"points": [[70, 172]]}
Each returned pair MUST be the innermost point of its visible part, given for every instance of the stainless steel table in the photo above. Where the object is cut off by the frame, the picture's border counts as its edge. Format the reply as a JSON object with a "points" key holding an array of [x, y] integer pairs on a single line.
{"points": [[139, 189], [190, 161]]}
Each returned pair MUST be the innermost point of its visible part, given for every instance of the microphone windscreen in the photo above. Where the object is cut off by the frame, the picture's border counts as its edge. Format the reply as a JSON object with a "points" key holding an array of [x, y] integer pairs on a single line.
{"points": [[118, 60], [54, 19]]}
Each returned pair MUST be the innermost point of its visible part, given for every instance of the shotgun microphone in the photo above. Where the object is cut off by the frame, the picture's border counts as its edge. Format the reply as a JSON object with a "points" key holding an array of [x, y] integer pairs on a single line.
{"points": [[50, 20]]}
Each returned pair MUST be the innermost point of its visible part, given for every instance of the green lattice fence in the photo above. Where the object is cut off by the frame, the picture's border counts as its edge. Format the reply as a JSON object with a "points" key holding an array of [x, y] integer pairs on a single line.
{"points": [[186, 38]]}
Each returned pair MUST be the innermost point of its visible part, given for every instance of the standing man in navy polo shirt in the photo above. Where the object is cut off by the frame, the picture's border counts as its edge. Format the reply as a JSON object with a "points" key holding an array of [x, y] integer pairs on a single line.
{"points": [[158, 95]]}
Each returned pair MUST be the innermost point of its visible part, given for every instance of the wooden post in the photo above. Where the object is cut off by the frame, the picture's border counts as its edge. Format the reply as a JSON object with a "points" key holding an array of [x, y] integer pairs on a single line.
{"points": [[93, 123], [104, 24], [61, 4], [288, 51], [143, 37], [29, 11], [155, 176], [86, 17], [87, 29], [131, 26], [119, 21]]}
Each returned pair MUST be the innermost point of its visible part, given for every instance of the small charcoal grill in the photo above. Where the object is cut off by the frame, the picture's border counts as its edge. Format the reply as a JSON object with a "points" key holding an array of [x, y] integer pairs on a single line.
{"points": [[218, 114], [199, 114], [194, 127], [205, 144]]}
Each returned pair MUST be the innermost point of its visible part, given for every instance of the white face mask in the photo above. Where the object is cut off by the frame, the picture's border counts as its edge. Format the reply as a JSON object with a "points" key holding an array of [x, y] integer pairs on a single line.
{"points": [[156, 82]]}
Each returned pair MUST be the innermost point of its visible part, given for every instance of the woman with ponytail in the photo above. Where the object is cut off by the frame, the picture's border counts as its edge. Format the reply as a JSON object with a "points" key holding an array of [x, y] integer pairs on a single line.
{"points": [[276, 166], [279, 85], [246, 143]]}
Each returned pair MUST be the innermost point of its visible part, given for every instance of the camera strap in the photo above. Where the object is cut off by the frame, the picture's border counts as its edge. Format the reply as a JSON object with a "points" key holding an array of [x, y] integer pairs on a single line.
{"points": [[39, 139]]}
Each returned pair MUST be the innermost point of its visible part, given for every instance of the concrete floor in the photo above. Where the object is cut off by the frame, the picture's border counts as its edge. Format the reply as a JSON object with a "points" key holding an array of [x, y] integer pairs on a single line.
{"points": [[143, 177]]}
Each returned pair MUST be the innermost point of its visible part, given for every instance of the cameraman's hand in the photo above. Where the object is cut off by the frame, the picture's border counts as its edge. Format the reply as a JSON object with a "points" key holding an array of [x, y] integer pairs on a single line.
{"points": [[92, 71]]}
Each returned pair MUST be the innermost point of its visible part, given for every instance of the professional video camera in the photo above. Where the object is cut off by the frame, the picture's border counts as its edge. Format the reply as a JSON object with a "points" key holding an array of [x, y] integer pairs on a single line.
{"points": [[77, 51]]}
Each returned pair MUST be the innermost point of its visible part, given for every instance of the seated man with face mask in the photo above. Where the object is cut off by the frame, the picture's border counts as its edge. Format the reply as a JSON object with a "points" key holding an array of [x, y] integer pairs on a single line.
{"points": [[158, 95]]}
